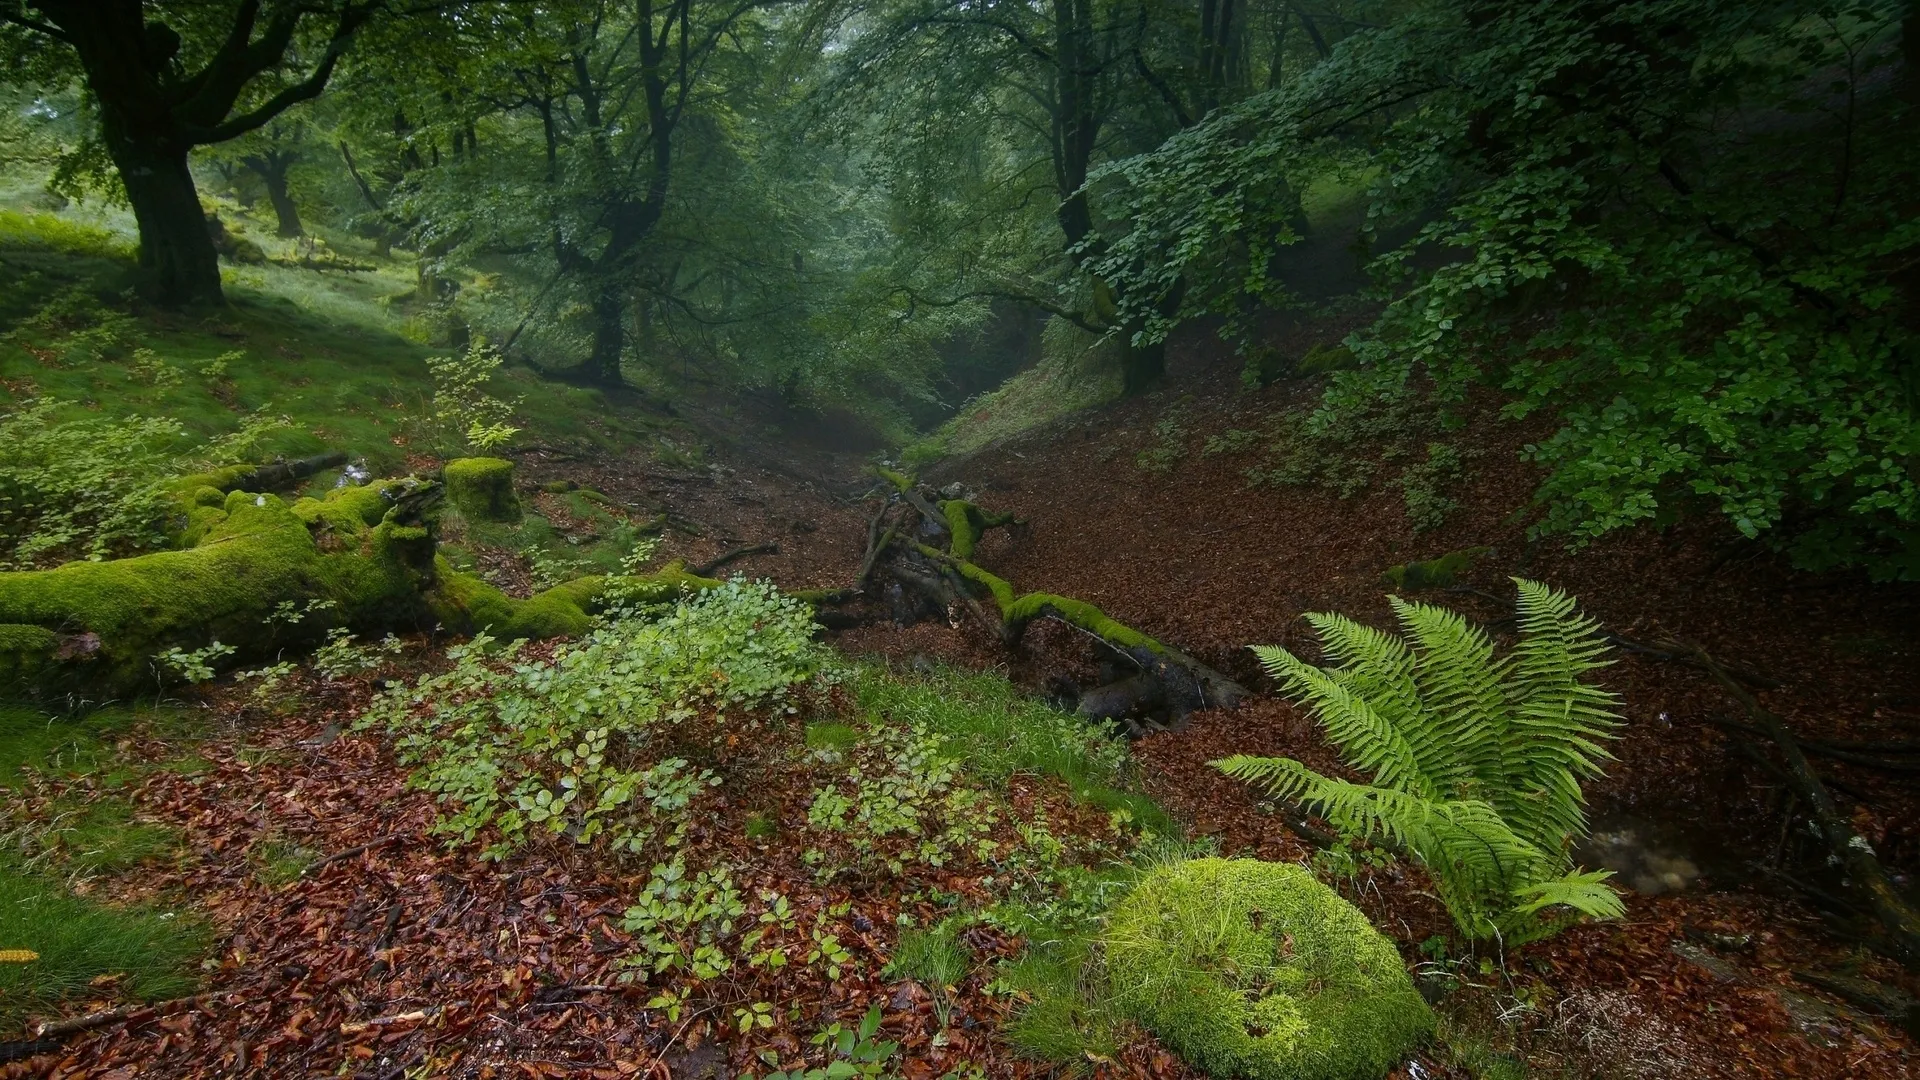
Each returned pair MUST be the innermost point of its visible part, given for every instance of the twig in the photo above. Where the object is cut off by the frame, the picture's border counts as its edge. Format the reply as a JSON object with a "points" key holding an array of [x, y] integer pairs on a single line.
{"points": [[55, 1029], [706, 569], [414, 1017], [1895, 915], [359, 849]]}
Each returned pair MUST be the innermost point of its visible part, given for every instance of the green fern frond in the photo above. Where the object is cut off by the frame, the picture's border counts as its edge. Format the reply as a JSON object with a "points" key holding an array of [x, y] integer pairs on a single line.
{"points": [[1476, 761], [1364, 737], [1465, 707]]}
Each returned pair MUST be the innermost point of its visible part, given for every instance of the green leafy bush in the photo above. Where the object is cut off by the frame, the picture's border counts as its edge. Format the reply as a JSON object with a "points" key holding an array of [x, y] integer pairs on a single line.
{"points": [[1595, 219], [464, 405], [574, 744], [1257, 970], [1476, 762], [95, 488]]}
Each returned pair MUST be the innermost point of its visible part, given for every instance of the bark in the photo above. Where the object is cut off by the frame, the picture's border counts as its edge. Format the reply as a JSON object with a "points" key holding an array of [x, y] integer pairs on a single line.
{"points": [[609, 338], [283, 205], [176, 247]]}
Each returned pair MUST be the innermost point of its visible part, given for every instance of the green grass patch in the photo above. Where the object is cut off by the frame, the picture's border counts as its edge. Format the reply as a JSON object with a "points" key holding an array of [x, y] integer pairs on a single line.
{"points": [[1077, 371], [83, 744], [830, 736], [934, 957], [1000, 731], [101, 836], [1068, 1020], [78, 940], [281, 862]]}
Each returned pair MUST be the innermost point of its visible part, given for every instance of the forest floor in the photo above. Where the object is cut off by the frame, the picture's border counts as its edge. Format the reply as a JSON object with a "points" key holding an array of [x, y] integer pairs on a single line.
{"points": [[349, 941]]}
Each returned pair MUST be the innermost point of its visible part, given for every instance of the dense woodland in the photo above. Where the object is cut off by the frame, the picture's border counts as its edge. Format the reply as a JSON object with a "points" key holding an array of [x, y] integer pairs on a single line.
{"points": [[835, 539]]}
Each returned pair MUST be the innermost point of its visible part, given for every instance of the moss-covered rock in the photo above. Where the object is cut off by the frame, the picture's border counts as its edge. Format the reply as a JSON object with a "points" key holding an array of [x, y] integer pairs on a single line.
{"points": [[1257, 970], [482, 489]]}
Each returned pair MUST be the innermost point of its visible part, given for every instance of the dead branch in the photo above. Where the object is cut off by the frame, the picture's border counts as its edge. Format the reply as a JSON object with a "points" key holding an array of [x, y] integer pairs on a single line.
{"points": [[359, 849], [58, 1029], [1895, 915], [706, 569]]}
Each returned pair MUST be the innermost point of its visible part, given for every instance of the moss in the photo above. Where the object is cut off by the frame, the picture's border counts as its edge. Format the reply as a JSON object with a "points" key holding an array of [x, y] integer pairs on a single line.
{"points": [[1324, 358], [593, 496], [901, 481], [1257, 970], [558, 487], [259, 553], [1433, 573], [1083, 615], [463, 603], [967, 522], [482, 488]]}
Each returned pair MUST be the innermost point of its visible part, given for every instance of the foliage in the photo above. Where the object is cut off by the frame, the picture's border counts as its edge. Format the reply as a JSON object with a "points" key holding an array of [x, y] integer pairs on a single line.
{"points": [[1476, 762], [194, 666], [857, 1054], [1678, 227], [1257, 970], [463, 402], [95, 488], [575, 744]]}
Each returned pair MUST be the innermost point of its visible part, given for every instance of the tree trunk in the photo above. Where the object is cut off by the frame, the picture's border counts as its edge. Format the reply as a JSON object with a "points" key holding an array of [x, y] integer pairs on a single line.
{"points": [[174, 242], [1140, 365], [283, 206], [609, 337]]}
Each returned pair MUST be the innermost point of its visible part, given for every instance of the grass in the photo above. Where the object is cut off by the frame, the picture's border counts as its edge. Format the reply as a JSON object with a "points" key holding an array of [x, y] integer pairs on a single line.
{"points": [[281, 862], [86, 948], [1075, 372], [326, 350], [1068, 1019], [31, 739], [935, 957], [152, 952], [1000, 731]]}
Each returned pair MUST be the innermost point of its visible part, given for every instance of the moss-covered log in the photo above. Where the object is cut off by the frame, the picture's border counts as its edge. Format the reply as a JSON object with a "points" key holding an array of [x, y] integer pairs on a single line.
{"points": [[363, 558], [1186, 683]]}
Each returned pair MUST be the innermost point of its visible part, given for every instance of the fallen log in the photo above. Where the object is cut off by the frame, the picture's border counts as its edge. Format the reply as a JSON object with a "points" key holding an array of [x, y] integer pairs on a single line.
{"points": [[1166, 679]]}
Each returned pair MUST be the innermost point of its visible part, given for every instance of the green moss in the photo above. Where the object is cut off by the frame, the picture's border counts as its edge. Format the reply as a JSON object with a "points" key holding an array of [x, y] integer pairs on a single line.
{"points": [[558, 487], [1433, 573], [1324, 358], [1083, 615], [259, 554], [464, 603], [967, 522], [901, 482], [1257, 970], [482, 489]]}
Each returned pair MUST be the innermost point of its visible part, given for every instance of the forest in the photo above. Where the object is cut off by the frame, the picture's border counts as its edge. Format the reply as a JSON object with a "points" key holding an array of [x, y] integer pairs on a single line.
{"points": [[960, 539]]}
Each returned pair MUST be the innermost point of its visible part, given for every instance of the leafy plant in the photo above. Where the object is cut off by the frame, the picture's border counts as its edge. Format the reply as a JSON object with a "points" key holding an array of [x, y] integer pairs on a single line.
{"points": [[855, 1052], [575, 745], [95, 487], [342, 656], [194, 666], [1476, 761], [462, 401]]}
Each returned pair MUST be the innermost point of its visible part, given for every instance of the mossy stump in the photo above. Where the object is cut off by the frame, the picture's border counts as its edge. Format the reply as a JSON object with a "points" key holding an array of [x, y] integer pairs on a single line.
{"points": [[1257, 970], [482, 489]]}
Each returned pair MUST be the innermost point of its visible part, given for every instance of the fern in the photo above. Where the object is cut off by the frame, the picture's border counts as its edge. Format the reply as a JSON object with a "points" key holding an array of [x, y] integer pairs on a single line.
{"points": [[1476, 760]]}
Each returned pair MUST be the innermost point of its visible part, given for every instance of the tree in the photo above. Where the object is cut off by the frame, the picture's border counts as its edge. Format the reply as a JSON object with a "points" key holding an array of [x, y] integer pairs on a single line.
{"points": [[184, 78], [1065, 85], [273, 154], [1688, 235]]}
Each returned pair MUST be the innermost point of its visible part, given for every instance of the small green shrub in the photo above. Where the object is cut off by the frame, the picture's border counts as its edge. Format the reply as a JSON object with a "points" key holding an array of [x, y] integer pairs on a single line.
{"points": [[1476, 762], [1257, 970], [95, 488], [577, 744], [464, 406]]}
